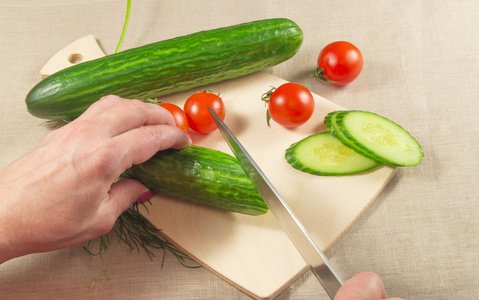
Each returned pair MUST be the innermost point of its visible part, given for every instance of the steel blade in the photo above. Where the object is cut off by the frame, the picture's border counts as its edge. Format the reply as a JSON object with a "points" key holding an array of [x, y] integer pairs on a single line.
{"points": [[298, 234]]}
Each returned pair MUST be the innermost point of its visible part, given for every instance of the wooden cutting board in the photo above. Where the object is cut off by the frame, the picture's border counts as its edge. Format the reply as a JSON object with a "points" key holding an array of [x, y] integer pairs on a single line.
{"points": [[253, 253]]}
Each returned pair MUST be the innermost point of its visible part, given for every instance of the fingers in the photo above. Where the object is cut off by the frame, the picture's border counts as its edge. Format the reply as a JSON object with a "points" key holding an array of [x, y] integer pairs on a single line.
{"points": [[116, 115], [145, 141], [123, 193], [364, 285], [132, 132], [137, 130], [100, 106]]}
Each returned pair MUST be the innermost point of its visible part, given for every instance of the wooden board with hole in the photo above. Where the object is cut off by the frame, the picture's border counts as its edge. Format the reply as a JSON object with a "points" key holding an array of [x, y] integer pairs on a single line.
{"points": [[81, 50], [253, 253]]}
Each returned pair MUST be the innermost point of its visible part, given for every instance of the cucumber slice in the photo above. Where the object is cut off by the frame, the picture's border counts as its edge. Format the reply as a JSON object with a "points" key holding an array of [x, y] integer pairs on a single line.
{"points": [[330, 122], [377, 137], [322, 154]]}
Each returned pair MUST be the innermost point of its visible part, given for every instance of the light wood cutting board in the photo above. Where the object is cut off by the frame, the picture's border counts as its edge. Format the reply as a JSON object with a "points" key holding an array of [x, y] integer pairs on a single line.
{"points": [[253, 253]]}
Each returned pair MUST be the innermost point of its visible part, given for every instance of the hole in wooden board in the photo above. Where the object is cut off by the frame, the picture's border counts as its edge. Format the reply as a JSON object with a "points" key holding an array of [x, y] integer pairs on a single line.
{"points": [[75, 58]]}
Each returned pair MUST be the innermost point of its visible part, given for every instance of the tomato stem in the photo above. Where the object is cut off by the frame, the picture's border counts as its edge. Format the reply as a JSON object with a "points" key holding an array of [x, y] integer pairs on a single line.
{"points": [[209, 91], [320, 74], [153, 101], [265, 98]]}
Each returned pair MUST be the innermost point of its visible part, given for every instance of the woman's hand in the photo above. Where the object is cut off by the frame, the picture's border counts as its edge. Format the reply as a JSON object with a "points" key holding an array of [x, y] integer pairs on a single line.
{"points": [[62, 192]]}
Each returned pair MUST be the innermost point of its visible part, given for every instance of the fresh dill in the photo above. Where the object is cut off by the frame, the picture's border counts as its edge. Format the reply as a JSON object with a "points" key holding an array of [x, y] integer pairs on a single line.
{"points": [[135, 231]]}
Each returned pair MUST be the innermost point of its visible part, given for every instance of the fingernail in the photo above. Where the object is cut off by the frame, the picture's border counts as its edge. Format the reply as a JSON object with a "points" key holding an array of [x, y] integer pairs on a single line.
{"points": [[145, 196]]}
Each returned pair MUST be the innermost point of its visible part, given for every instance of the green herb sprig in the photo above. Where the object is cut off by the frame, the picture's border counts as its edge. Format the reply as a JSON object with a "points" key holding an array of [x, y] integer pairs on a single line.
{"points": [[134, 230]]}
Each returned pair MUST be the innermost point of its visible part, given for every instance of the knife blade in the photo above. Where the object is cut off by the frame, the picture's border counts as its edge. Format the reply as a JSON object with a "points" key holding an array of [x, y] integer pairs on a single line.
{"points": [[311, 253]]}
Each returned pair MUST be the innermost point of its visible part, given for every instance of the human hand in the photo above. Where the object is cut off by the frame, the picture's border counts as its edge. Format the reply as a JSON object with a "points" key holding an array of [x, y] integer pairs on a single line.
{"points": [[62, 193], [363, 286]]}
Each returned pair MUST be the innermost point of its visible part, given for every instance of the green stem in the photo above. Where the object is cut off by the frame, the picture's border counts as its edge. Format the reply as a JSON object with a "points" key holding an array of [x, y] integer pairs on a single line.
{"points": [[265, 98], [320, 74], [125, 25]]}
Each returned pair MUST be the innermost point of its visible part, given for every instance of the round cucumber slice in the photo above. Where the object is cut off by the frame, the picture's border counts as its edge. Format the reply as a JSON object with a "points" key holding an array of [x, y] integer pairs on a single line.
{"points": [[322, 154], [378, 138]]}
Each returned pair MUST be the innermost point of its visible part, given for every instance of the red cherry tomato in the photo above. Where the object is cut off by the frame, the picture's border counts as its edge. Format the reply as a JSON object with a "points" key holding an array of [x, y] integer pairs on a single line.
{"points": [[180, 117], [339, 63], [291, 105], [196, 110]]}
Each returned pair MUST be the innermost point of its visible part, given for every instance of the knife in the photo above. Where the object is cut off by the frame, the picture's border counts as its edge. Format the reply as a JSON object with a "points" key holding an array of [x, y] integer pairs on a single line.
{"points": [[311, 253]]}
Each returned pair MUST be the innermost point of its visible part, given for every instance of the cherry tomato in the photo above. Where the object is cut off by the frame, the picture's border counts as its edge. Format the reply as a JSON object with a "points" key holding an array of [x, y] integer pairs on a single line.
{"points": [[291, 105], [196, 110], [180, 117], [339, 63]]}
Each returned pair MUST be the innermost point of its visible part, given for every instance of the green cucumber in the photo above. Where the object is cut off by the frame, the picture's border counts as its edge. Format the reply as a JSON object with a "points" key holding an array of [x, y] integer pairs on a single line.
{"points": [[376, 137], [166, 67], [200, 175], [322, 154]]}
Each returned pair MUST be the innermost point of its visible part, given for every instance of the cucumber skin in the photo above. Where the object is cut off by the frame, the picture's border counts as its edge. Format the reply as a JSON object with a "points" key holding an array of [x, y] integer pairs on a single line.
{"points": [[364, 150], [166, 67], [330, 123], [290, 157], [200, 175], [343, 135]]}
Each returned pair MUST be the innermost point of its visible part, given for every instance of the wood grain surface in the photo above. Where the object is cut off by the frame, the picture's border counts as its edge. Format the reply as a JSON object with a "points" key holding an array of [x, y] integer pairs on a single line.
{"points": [[253, 253]]}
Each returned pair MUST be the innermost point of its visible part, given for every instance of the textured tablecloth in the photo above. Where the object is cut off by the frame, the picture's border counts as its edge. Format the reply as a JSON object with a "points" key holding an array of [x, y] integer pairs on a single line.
{"points": [[421, 70]]}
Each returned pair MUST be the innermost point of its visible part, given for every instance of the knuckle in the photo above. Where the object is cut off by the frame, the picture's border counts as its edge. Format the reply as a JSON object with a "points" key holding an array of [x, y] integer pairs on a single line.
{"points": [[137, 105], [111, 98], [163, 136], [108, 101], [73, 130], [97, 164], [153, 134], [102, 156]]}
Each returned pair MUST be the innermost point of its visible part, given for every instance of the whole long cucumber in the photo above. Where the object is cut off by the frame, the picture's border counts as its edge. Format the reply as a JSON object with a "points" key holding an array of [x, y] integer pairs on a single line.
{"points": [[203, 176], [166, 67]]}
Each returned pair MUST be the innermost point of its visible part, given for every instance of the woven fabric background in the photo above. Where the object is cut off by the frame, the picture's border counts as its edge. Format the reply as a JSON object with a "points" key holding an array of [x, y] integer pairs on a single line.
{"points": [[421, 70]]}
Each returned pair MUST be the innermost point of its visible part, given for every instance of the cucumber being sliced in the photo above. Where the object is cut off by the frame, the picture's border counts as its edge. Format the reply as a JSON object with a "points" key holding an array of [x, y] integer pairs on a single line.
{"points": [[377, 137], [322, 154], [200, 175]]}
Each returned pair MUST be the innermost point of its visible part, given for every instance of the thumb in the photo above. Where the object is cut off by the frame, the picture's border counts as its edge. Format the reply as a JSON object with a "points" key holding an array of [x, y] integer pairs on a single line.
{"points": [[363, 286], [125, 192]]}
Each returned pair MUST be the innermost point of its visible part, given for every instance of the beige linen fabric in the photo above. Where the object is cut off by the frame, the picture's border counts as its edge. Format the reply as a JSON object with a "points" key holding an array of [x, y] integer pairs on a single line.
{"points": [[421, 70]]}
